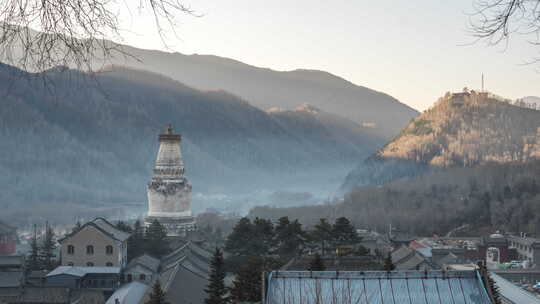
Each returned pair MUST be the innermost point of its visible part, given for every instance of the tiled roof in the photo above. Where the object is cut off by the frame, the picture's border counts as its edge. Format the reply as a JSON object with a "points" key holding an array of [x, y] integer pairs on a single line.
{"points": [[104, 226], [111, 229], [186, 287], [512, 293], [11, 260], [82, 271], [146, 261], [401, 253], [411, 287]]}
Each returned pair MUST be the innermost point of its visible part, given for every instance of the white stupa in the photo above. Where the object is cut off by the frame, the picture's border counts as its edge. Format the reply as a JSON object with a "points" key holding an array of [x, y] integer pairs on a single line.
{"points": [[169, 192]]}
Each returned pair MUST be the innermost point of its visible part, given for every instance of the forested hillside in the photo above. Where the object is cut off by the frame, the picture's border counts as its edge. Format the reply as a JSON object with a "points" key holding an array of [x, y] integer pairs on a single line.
{"points": [[466, 129], [494, 197], [69, 138]]}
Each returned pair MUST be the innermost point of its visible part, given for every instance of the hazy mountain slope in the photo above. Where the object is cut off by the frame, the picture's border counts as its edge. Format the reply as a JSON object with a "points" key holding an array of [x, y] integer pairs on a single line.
{"points": [[497, 196], [266, 88], [461, 130], [75, 138]]}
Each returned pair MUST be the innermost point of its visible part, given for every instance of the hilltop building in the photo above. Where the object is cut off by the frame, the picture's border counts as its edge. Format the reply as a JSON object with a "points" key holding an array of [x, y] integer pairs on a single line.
{"points": [[169, 192], [96, 244]]}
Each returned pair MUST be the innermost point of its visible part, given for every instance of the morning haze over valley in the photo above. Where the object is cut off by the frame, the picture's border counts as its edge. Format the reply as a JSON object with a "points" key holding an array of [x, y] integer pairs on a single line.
{"points": [[246, 152]]}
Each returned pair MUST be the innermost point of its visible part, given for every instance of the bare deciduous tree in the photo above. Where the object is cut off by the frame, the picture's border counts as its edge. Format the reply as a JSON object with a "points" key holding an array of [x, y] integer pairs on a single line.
{"points": [[495, 21], [72, 32]]}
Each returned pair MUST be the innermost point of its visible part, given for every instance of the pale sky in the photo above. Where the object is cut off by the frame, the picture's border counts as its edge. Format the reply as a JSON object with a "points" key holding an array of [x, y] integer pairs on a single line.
{"points": [[412, 50]]}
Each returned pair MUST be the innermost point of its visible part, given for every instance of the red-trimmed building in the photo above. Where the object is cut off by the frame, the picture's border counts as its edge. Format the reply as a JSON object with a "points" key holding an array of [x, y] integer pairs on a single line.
{"points": [[8, 239]]}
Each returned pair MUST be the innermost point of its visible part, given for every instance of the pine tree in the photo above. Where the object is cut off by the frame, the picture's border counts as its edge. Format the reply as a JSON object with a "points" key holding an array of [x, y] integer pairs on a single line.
{"points": [[388, 264], [47, 248], [33, 262], [236, 241], [121, 225], [156, 240], [316, 264], [262, 241], [157, 296], [322, 233], [290, 236], [77, 227], [248, 281], [216, 290], [344, 233], [136, 241]]}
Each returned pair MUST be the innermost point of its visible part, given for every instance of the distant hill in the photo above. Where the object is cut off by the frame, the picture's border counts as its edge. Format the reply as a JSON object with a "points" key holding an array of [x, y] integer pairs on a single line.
{"points": [[71, 138], [461, 130], [266, 88]]}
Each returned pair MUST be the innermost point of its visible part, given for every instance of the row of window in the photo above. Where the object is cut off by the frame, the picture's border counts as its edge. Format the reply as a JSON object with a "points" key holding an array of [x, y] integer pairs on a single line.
{"points": [[90, 249], [521, 247], [90, 264]]}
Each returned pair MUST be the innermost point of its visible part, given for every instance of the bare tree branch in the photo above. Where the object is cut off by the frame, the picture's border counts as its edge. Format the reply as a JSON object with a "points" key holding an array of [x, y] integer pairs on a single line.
{"points": [[495, 21], [72, 33]]}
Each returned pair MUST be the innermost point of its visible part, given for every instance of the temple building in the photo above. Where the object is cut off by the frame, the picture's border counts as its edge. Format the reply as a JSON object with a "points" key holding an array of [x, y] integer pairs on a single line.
{"points": [[169, 192]]}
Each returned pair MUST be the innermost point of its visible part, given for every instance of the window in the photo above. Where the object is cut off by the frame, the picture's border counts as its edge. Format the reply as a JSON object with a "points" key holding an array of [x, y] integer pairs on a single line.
{"points": [[142, 277], [109, 249], [89, 249], [109, 264], [90, 264], [71, 249]]}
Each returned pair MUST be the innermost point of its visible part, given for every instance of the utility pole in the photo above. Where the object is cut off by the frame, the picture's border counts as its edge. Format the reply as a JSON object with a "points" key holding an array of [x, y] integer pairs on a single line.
{"points": [[482, 82]]}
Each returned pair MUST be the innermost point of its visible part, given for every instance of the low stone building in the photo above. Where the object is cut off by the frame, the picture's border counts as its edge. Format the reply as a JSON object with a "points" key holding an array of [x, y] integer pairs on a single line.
{"points": [[144, 269], [73, 277], [527, 249], [405, 258], [96, 243]]}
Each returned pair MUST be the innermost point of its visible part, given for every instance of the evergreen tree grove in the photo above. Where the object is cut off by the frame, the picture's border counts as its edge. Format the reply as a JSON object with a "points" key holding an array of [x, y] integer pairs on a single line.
{"points": [[322, 233], [47, 248], [216, 290], [247, 285], [33, 262]]}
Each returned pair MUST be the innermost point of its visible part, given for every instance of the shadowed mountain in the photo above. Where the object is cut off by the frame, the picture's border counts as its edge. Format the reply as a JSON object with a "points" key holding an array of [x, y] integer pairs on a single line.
{"points": [[266, 88], [68, 137], [462, 130]]}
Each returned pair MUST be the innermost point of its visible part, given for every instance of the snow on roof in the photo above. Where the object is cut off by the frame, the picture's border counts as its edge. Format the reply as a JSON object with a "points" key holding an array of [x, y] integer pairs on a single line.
{"points": [[131, 293], [82, 271], [512, 292]]}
